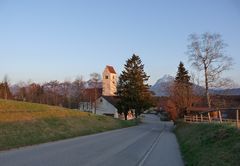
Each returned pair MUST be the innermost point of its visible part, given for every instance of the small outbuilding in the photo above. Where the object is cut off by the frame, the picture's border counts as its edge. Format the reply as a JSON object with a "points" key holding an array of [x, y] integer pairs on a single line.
{"points": [[106, 105]]}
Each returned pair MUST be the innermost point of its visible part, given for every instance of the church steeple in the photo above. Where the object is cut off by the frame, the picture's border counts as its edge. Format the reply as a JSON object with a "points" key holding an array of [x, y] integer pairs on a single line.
{"points": [[109, 81]]}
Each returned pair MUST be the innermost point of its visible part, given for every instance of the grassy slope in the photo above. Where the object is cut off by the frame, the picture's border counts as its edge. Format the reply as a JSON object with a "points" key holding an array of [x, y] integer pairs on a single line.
{"points": [[209, 144], [24, 123]]}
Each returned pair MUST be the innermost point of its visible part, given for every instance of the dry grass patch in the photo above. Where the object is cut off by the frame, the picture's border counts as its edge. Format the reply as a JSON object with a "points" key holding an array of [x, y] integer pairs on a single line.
{"points": [[13, 111], [24, 123]]}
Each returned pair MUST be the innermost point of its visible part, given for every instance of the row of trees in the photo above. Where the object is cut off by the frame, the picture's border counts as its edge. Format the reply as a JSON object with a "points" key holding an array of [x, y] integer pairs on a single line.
{"points": [[67, 94]]}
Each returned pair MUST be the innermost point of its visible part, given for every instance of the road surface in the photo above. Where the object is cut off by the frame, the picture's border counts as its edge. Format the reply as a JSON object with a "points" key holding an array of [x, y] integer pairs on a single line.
{"points": [[151, 143]]}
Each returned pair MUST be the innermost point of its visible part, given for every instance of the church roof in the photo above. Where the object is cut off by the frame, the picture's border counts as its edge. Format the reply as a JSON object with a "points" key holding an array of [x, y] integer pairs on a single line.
{"points": [[112, 99], [111, 69]]}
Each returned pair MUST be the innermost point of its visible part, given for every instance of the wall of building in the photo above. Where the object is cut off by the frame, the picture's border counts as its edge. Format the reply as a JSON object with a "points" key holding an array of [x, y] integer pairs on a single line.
{"points": [[109, 83], [104, 107]]}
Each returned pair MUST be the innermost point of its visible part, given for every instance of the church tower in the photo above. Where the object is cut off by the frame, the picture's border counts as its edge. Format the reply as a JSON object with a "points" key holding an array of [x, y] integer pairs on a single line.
{"points": [[109, 81]]}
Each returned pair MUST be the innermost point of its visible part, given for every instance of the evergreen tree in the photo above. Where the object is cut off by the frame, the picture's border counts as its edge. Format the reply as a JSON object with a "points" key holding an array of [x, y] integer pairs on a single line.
{"points": [[132, 87], [182, 91], [182, 75]]}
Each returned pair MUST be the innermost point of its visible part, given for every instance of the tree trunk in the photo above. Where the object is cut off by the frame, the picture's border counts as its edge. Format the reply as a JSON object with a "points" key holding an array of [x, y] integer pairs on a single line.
{"points": [[95, 98], [136, 115], [206, 87], [125, 115], [5, 92]]}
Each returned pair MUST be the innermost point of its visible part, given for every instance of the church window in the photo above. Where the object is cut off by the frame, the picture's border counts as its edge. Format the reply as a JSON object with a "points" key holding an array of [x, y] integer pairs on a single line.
{"points": [[106, 77]]}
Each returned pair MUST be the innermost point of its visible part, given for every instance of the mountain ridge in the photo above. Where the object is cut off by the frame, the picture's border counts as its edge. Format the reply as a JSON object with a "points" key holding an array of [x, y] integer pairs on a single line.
{"points": [[162, 85]]}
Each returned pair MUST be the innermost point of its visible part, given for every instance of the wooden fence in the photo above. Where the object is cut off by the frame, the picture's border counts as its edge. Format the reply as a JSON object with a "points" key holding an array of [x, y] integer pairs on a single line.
{"points": [[206, 117]]}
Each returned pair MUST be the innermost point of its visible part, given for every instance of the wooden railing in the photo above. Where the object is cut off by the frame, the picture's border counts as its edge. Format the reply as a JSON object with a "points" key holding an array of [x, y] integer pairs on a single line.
{"points": [[201, 118]]}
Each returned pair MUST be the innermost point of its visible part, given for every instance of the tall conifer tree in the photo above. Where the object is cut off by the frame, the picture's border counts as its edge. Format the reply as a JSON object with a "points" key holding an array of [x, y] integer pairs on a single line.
{"points": [[182, 75], [182, 90], [132, 87]]}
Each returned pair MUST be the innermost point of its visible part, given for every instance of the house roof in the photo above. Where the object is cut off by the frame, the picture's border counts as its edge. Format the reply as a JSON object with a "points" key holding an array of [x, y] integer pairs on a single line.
{"points": [[89, 94], [111, 69], [200, 109], [112, 99]]}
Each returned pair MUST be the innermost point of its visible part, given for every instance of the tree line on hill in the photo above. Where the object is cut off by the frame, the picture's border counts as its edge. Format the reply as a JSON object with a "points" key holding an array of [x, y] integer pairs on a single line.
{"points": [[67, 94]]}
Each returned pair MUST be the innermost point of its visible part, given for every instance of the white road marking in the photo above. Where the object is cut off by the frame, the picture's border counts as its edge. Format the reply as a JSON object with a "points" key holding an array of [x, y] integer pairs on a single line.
{"points": [[141, 163]]}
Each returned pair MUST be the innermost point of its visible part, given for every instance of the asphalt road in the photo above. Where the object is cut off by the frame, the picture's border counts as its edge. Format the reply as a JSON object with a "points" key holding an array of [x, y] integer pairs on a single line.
{"points": [[151, 143]]}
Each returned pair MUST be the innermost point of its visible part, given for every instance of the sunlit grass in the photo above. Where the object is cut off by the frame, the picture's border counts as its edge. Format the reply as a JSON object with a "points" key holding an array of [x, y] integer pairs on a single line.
{"points": [[23, 123], [12, 111]]}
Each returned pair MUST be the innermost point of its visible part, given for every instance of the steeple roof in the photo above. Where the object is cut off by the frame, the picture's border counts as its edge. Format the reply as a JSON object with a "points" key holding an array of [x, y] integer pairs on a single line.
{"points": [[111, 69]]}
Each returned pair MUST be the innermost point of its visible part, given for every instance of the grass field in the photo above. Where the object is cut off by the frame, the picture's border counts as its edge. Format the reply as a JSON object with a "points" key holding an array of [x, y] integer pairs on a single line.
{"points": [[23, 123], [209, 144]]}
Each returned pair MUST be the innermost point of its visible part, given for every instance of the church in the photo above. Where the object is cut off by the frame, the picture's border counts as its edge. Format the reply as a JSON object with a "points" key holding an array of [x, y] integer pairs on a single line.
{"points": [[107, 99]]}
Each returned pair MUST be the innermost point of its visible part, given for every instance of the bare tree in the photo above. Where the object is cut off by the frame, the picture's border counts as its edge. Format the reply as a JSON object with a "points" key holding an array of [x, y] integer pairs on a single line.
{"points": [[79, 89], [35, 93], [65, 89], [206, 52], [6, 86], [21, 93], [53, 87], [94, 81]]}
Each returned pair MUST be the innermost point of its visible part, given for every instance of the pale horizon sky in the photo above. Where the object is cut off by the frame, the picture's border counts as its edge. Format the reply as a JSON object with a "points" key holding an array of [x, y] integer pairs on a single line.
{"points": [[45, 40]]}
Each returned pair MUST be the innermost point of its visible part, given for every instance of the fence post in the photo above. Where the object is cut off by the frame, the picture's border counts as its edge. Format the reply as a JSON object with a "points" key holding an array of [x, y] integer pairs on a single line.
{"points": [[196, 118], [209, 117], [220, 116], [184, 117], [201, 117], [237, 118]]}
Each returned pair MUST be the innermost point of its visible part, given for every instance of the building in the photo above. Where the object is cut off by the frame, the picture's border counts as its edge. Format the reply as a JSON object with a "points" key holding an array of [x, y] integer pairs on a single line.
{"points": [[109, 81], [106, 105], [87, 102], [106, 100]]}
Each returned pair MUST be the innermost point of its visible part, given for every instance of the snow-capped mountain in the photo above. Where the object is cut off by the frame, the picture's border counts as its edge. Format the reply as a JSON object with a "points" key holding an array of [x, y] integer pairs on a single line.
{"points": [[161, 87]]}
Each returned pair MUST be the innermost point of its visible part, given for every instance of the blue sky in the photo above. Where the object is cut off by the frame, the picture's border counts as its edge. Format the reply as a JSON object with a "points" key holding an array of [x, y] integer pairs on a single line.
{"points": [[46, 40]]}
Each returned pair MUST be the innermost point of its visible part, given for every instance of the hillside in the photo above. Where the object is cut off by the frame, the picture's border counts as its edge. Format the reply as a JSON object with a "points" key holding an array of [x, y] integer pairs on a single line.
{"points": [[209, 144], [15, 111], [23, 123]]}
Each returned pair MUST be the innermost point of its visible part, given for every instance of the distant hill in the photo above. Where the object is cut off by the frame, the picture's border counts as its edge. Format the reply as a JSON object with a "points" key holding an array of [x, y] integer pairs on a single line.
{"points": [[234, 91], [160, 88]]}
